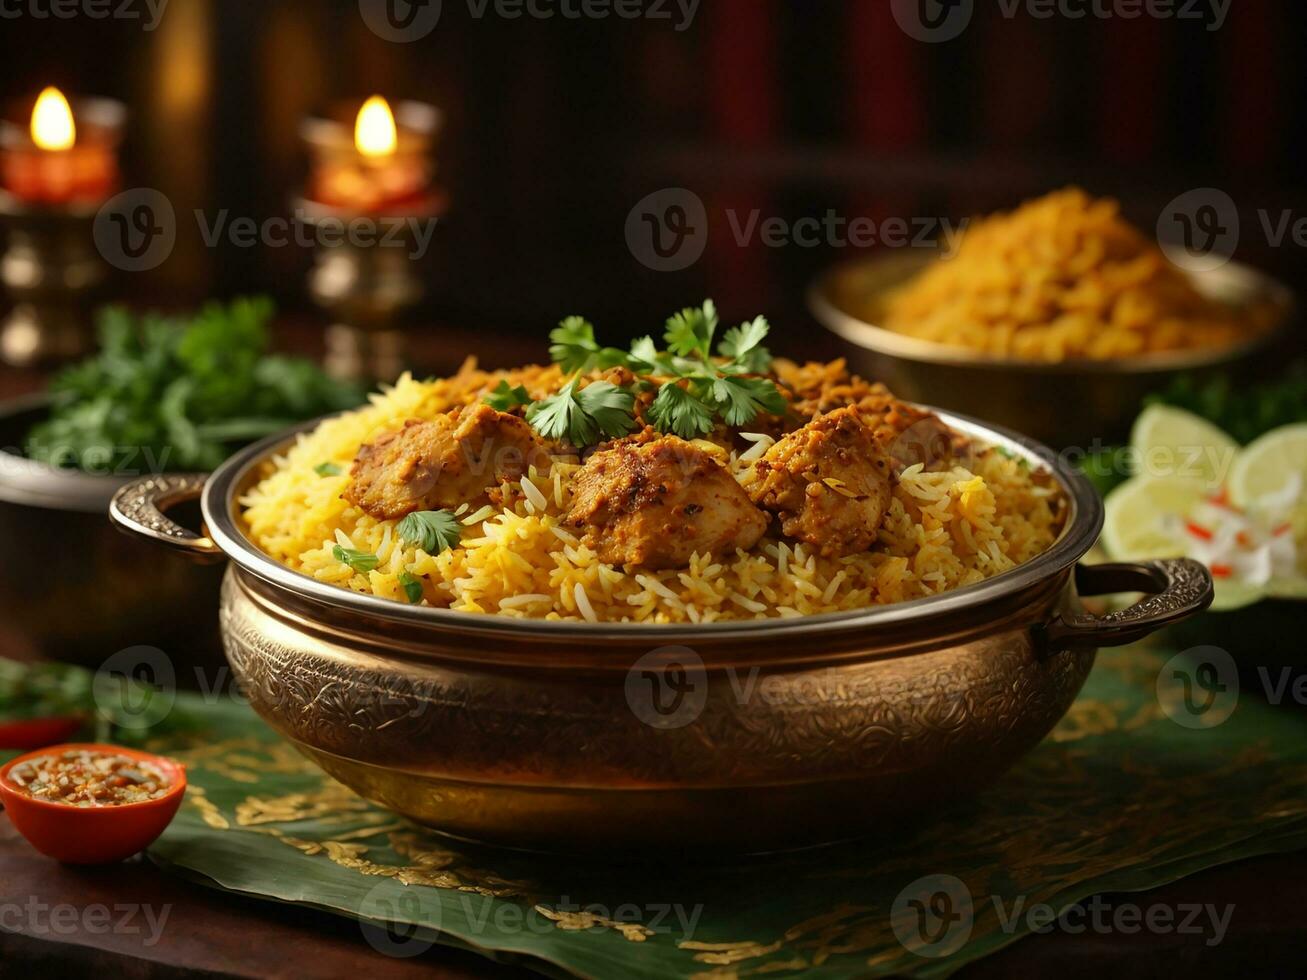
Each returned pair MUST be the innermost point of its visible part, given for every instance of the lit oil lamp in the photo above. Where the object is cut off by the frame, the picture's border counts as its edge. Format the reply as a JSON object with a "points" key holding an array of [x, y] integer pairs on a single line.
{"points": [[379, 171], [385, 165], [62, 157]]}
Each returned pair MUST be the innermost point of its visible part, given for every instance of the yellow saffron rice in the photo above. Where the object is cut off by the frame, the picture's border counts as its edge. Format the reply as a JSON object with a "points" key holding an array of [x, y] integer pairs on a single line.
{"points": [[1064, 276], [943, 530]]}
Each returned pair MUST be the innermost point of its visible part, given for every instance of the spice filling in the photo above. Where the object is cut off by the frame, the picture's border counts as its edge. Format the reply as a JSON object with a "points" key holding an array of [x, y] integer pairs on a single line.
{"points": [[83, 778]]}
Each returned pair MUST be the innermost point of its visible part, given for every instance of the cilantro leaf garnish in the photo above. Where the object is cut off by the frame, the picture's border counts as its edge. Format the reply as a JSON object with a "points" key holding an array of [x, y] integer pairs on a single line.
{"points": [[328, 469], [646, 359], [505, 399], [742, 345], [412, 587], [702, 388], [645, 351], [575, 349], [431, 530], [677, 411], [690, 332], [740, 399], [360, 561], [580, 415]]}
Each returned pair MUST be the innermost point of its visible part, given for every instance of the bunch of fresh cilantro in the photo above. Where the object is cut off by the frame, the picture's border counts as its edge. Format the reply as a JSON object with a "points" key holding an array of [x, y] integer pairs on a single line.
{"points": [[696, 389], [165, 393], [110, 706]]}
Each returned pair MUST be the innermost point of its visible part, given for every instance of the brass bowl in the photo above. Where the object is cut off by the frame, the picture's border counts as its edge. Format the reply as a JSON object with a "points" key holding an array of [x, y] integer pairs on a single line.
{"points": [[1085, 404], [71, 587], [741, 735]]}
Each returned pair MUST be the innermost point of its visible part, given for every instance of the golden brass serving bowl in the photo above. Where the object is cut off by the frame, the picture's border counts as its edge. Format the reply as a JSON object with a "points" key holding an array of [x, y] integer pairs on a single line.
{"points": [[740, 735], [1081, 403]]}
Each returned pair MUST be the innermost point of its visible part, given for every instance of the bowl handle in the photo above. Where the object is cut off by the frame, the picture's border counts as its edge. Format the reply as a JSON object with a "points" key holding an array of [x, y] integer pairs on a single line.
{"points": [[1177, 589], [141, 508]]}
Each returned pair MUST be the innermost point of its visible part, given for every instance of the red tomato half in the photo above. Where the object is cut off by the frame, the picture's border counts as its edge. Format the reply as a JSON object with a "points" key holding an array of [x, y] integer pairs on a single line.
{"points": [[33, 733]]}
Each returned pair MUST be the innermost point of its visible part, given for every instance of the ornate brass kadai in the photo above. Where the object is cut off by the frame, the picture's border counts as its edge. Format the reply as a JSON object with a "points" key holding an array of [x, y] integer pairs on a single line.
{"points": [[741, 735]]}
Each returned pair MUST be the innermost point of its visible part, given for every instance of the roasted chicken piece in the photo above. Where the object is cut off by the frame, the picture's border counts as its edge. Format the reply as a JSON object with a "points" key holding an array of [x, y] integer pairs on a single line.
{"points": [[908, 433], [450, 460], [829, 483], [654, 503]]}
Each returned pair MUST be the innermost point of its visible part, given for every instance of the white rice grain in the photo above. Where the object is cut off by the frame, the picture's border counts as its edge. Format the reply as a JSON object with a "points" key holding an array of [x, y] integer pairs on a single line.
{"points": [[478, 516], [518, 601], [534, 496], [583, 603]]}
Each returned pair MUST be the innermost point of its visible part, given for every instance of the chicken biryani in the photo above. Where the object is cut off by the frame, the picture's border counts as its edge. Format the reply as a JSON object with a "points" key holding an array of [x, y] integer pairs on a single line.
{"points": [[685, 484]]}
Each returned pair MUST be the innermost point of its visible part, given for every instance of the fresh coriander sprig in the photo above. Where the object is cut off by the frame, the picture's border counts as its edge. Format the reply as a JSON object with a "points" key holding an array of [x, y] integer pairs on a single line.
{"points": [[581, 415], [360, 561], [505, 398], [575, 349], [696, 389], [412, 586], [681, 412], [743, 346], [690, 332], [433, 531], [712, 389]]}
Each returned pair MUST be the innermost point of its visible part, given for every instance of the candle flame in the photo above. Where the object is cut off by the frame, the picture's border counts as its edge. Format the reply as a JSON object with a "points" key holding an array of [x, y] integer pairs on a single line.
{"points": [[52, 121], [374, 130]]}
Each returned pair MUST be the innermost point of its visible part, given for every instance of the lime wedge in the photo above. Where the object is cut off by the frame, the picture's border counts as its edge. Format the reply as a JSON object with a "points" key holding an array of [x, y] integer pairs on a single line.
{"points": [[1134, 529], [1235, 595], [1133, 522], [1289, 588], [1268, 465], [1172, 442]]}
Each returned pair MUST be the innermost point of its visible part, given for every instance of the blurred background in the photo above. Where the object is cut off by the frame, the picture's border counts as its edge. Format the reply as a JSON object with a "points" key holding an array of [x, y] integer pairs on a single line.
{"points": [[555, 128]]}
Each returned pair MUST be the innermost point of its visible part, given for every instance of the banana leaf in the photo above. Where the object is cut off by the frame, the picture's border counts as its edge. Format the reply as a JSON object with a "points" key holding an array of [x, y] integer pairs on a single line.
{"points": [[1120, 798]]}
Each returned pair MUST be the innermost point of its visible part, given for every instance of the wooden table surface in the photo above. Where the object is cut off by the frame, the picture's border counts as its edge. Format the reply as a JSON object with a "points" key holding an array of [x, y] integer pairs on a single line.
{"points": [[208, 933]]}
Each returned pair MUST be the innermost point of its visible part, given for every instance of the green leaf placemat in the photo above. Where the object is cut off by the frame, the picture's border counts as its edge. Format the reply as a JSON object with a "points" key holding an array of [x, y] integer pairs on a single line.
{"points": [[1120, 797]]}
